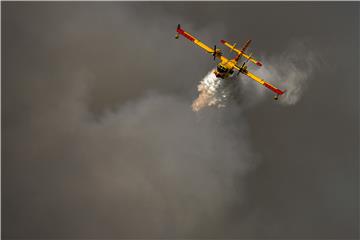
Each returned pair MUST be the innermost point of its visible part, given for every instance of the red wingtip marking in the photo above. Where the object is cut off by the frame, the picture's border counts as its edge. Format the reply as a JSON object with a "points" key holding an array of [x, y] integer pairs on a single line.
{"points": [[277, 91], [259, 64], [223, 41], [182, 32], [188, 37]]}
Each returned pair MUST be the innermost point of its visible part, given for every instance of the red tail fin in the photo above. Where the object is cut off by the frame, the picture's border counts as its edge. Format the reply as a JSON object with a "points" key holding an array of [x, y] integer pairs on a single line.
{"points": [[246, 46]]}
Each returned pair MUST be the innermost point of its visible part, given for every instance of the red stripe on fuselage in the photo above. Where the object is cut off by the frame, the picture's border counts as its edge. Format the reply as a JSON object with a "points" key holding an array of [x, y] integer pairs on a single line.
{"points": [[182, 32], [278, 91]]}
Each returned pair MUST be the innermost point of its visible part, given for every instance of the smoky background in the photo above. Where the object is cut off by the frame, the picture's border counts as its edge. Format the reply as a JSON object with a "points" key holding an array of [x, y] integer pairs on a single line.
{"points": [[99, 140]]}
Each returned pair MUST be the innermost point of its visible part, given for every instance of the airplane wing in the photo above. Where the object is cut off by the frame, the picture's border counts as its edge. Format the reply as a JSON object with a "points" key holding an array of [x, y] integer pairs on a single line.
{"points": [[194, 40], [262, 82], [232, 47]]}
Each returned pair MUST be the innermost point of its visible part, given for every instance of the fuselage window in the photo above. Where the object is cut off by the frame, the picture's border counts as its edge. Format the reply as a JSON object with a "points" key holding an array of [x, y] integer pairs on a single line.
{"points": [[221, 69]]}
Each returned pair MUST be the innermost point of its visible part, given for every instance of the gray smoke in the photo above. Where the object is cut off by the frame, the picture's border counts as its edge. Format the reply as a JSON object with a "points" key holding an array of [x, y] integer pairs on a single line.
{"points": [[290, 70], [151, 163], [103, 156], [100, 141]]}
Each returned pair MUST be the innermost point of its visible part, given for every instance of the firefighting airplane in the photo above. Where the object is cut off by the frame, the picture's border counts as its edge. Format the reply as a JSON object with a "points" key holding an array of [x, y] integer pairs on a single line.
{"points": [[226, 67]]}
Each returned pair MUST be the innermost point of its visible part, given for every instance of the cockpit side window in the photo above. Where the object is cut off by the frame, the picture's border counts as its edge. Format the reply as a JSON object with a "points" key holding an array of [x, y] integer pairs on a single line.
{"points": [[221, 68]]}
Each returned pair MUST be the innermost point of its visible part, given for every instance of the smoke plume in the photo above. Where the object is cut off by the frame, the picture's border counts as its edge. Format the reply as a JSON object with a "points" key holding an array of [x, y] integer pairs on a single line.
{"points": [[290, 70], [100, 141]]}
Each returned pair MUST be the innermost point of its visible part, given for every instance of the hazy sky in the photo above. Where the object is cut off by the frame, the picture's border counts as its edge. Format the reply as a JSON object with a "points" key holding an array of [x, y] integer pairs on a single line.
{"points": [[99, 140]]}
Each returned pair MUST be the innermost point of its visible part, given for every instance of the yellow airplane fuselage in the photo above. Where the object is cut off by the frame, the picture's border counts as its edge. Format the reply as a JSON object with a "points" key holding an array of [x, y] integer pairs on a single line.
{"points": [[225, 68]]}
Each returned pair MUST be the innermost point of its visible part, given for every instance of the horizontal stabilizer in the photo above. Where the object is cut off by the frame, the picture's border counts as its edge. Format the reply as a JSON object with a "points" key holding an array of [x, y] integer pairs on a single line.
{"points": [[242, 52]]}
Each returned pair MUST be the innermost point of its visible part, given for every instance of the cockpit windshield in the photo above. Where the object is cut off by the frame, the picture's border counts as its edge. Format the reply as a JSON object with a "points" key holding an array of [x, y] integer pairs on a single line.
{"points": [[221, 68]]}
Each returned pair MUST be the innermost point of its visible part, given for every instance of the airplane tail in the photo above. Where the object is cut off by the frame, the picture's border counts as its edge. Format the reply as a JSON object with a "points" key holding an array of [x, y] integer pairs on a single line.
{"points": [[243, 49], [241, 53], [246, 45]]}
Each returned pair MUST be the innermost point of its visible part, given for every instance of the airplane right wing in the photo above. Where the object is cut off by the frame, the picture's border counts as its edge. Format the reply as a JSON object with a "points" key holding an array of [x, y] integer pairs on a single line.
{"points": [[259, 80], [266, 84], [241, 52]]}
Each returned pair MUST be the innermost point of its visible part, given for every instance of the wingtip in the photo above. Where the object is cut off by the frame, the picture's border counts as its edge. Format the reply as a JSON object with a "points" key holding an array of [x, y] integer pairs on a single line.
{"points": [[222, 41], [259, 64]]}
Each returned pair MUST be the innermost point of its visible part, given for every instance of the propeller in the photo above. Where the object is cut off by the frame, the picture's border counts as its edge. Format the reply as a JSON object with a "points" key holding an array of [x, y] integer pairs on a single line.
{"points": [[243, 65], [214, 53], [241, 68]]}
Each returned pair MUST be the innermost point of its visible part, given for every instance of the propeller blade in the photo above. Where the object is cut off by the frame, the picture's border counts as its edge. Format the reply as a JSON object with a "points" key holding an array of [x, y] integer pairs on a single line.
{"points": [[241, 68], [214, 53]]}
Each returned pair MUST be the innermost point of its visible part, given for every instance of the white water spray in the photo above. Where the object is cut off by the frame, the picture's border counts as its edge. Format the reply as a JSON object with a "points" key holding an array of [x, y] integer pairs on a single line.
{"points": [[213, 91]]}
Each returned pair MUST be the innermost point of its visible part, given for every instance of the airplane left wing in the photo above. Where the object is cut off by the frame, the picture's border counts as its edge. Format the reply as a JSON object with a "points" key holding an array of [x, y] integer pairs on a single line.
{"points": [[194, 40], [262, 82]]}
